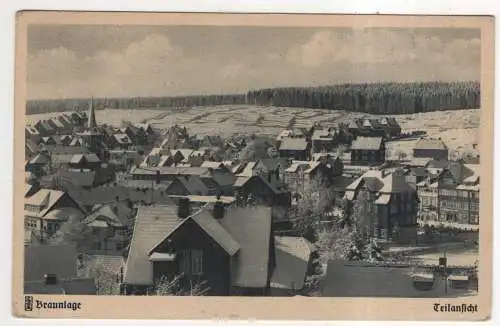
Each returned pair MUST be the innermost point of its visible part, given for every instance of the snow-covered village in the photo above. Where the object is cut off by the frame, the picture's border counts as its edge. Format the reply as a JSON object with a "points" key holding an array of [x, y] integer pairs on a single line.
{"points": [[361, 186]]}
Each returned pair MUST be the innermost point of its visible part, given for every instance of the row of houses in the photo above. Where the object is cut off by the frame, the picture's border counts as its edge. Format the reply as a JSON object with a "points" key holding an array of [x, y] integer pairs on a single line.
{"points": [[81, 131], [231, 247], [449, 189]]}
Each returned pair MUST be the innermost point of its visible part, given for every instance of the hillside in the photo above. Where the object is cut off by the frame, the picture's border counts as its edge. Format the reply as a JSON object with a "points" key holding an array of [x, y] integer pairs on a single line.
{"points": [[457, 128]]}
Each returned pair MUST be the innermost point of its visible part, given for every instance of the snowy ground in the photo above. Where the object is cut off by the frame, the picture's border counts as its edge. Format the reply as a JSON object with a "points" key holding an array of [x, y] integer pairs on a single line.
{"points": [[457, 128]]}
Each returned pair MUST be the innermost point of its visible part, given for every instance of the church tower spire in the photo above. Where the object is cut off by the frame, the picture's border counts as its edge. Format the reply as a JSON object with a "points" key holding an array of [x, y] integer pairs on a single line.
{"points": [[91, 124]]}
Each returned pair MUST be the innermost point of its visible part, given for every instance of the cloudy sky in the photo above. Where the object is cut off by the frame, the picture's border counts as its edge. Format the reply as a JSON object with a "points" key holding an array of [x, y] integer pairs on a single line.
{"points": [[105, 61]]}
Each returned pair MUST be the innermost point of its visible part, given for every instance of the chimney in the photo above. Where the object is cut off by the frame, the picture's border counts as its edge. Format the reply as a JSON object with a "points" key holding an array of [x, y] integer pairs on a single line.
{"points": [[50, 279], [218, 210], [184, 209], [157, 178]]}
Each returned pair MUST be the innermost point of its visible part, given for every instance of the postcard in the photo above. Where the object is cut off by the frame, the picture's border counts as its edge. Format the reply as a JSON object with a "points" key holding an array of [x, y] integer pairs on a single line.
{"points": [[253, 166]]}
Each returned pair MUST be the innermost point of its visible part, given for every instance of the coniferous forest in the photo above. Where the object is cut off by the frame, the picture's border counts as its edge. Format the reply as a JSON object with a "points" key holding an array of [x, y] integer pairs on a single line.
{"points": [[374, 98]]}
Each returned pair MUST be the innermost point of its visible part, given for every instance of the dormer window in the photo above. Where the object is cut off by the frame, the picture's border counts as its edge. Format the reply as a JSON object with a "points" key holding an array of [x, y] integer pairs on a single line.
{"points": [[33, 208]]}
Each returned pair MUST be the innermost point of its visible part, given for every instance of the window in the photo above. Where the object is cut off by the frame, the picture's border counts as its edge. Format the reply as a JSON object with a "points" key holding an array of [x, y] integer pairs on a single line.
{"points": [[196, 262], [184, 261], [191, 262]]}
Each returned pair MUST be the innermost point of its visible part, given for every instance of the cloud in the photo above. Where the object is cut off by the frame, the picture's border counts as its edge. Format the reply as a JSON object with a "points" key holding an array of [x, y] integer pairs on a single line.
{"points": [[386, 47], [155, 66]]}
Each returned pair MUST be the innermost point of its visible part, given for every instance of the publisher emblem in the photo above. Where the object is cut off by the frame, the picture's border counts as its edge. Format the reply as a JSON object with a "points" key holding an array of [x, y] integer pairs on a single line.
{"points": [[28, 303]]}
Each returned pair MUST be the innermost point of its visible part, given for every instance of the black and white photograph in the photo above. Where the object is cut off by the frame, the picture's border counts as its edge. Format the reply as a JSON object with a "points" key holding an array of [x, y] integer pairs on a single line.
{"points": [[253, 161]]}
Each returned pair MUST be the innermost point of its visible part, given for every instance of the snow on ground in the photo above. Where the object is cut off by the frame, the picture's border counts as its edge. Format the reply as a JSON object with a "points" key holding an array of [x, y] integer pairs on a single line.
{"points": [[457, 128]]}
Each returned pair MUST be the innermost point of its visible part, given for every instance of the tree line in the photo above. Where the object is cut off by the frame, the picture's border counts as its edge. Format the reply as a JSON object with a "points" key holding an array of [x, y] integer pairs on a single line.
{"points": [[374, 98]]}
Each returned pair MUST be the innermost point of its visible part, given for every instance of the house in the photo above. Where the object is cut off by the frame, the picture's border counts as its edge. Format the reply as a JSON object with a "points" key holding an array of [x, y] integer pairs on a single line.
{"points": [[137, 135], [124, 159], [288, 133], [368, 151], [214, 165], [84, 162], [431, 148], [231, 249], [302, 176], [419, 161], [146, 127], [65, 124], [331, 161], [110, 224], [385, 127], [294, 262], [77, 142], [218, 181], [272, 169], [46, 210], [43, 128], [259, 190], [458, 193], [30, 149], [30, 133], [296, 148], [66, 140], [60, 156], [324, 140], [416, 175], [52, 269], [83, 178], [51, 140], [121, 140], [197, 200], [76, 119], [269, 168], [39, 165], [175, 137], [190, 185], [387, 204], [30, 189], [145, 194], [181, 186], [57, 125]]}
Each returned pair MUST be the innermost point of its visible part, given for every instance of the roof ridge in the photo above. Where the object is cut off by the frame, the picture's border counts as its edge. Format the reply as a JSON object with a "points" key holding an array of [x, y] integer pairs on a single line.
{"points": [[199, 211]]}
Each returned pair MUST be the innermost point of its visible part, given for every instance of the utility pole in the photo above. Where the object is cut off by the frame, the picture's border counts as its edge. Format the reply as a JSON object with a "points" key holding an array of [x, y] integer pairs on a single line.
{"points": [[444, 268]]}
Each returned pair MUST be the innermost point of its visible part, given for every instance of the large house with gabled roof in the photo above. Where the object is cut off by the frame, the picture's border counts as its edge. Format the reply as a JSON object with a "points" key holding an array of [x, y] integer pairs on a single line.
{"points": [[46, 210], [230, 248], [386, 205], [368, 151]]}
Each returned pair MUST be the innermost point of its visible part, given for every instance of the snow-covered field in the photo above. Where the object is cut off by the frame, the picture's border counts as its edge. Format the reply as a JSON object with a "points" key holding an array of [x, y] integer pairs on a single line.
{"points": [[457, 128]]}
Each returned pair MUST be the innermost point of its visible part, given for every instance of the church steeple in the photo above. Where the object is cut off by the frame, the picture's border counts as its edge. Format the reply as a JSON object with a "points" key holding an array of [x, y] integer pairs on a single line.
{"points": [[91, 124]]}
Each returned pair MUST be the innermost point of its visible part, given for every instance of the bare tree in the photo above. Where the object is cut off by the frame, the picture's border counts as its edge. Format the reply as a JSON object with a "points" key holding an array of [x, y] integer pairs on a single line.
{"points": [[254, 150], [314, 204], [73, 231], [107, 283], [174, 287], [350, 237]]}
